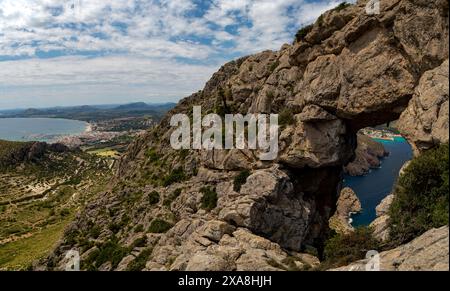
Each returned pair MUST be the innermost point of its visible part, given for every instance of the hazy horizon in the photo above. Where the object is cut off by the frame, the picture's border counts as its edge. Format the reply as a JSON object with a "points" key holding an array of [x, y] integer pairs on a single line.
{"points": [[92, 104]]}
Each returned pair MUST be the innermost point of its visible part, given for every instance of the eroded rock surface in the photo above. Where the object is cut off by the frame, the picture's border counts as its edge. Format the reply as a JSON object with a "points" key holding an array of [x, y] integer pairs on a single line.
{"points": [[425, 121], [367, 156], [347, 203], [428, 252]]}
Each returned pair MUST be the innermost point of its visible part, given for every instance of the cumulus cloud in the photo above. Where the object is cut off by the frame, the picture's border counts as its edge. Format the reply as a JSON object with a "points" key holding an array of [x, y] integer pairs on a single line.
{"points": [[151, 44]]}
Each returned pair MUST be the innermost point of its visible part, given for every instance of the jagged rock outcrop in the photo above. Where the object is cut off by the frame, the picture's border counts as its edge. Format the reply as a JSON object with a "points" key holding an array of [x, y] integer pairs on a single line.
{"points": [[350, 71], [428, 252], [425, 121], [380, 225], [17, 153], [347, 203], [367, 155]]}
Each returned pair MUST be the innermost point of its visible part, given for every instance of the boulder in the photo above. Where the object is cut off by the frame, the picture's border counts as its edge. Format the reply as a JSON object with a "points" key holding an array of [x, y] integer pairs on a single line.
{"points": [[428, 252], [347, 203], [425, 122]]}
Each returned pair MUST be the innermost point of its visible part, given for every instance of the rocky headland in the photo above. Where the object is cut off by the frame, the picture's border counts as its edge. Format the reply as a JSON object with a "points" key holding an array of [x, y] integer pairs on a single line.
{"points": [[368, 155]]}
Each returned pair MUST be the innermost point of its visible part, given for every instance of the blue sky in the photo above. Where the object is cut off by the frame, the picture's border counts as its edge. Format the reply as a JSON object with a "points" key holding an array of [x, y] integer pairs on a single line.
{"points": [[72, 52]]}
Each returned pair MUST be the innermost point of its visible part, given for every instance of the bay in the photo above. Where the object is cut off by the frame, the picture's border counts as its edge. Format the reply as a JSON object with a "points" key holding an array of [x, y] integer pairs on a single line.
{"points": [[372, 188], [39, 129]]}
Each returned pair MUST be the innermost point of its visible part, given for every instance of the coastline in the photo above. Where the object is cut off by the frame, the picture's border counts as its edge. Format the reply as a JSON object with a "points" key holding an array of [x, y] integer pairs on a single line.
{"points": [[369, 191]]}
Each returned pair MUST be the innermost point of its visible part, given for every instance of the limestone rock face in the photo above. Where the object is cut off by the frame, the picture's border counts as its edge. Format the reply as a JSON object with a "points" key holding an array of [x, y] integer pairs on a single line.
{"points": [[267, 204], [314, 144], [425, 121], [428, 252], [367, 155], [227, 249], [380, 225], [347, 203]]}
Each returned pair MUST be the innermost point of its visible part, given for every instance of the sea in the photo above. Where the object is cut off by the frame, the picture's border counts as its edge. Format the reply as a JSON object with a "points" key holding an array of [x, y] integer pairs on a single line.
{"points": [[372, 188], [39, 129]]}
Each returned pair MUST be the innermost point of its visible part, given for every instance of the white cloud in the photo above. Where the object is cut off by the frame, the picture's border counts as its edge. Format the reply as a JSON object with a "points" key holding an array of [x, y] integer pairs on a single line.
{"points": [[137, 41], [111, 77]]}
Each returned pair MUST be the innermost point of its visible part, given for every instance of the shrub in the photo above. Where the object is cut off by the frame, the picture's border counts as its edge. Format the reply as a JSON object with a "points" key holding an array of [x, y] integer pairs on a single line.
{"points": [[342, 249], [139, 242], [139, 228], [114, 227], [159, 226], [274, 65], [64, 212], [240, 180], [168, 201], [286, 117], [152, 155], [209, 198], [139, 263], [110, 251], [94, 232], [342, 6], [153, 198], [421, 196], [175, 176], [301, 34]]}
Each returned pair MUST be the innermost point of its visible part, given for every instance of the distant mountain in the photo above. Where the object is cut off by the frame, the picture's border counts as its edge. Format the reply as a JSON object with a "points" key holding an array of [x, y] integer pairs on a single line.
{"points": [[134, 106], [95, 113]]}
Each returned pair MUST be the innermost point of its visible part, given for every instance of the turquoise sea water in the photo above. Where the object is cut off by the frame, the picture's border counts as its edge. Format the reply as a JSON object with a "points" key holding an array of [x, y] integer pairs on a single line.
{"points": [[377, 184], [39, 129]]}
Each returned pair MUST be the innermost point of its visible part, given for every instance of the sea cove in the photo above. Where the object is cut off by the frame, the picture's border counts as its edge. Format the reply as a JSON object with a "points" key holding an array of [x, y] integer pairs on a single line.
{"points": [[39, 129], [378, 183]]}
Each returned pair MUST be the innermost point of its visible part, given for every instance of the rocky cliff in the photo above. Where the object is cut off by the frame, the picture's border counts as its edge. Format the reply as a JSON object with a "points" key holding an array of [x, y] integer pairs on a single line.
{"points": [[226, 209], [15, 153], [367, 156], [428, 252], [347, 203]]}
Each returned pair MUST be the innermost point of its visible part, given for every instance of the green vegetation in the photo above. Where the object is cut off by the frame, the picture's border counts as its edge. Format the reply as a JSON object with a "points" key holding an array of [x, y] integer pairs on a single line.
{"points": [[151, 155], [175, 176], [342, 6], [9, 148], [270, 94], [240, 180], [301, 34], [421, 196], [95, 231], [343, 249], [116, 227], [159, 226], [209, 198], [139, 263], [139, 228], [286, 117], [174, 195], [139, 242], [153, 198], [19, 255], [105, 152], [111, 251], [27, 221], [274, 65]]}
